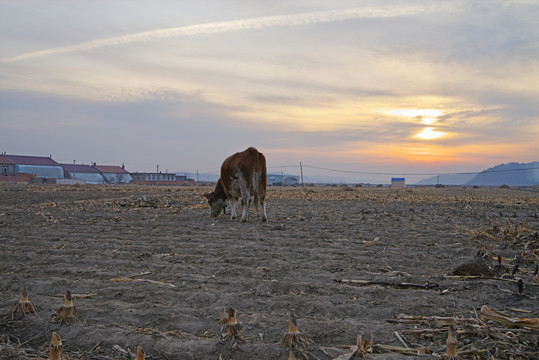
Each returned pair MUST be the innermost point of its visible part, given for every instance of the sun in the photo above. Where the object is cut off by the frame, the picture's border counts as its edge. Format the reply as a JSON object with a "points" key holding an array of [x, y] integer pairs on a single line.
{"points": [[427, 120], [426, 117], [430, 134]]}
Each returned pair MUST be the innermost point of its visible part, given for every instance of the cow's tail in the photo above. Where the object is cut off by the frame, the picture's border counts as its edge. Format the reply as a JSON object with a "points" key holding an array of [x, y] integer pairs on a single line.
{"points": [[261, 180]]}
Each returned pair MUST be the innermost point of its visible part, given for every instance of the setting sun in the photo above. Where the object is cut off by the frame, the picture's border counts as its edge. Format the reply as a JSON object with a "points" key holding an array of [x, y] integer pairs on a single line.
{"points": [[430, 134], [427, 120]]}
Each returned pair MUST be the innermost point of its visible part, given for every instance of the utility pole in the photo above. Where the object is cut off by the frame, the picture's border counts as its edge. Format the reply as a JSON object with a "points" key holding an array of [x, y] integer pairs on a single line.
{"points": [[301, 170], [158, 174], [198, 179]]}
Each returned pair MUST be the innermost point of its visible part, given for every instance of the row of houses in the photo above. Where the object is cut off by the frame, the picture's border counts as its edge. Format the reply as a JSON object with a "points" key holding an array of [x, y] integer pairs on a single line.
{"points": [[39, 169]]}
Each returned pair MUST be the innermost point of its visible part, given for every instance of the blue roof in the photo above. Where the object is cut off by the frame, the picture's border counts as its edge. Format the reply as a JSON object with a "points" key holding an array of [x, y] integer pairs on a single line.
{"points": [[397, 179]]}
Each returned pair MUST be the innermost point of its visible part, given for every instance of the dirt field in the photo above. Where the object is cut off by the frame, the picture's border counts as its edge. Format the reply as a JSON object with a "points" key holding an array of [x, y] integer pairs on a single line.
{"points": [[148, 267]]}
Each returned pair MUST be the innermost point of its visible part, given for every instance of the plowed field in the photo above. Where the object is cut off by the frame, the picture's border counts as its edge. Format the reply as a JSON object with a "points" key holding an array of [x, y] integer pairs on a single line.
{"points": [[148, 266]]}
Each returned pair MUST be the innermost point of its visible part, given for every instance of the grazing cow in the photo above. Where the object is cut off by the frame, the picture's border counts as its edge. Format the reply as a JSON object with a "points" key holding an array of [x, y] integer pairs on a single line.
{"points": [[243, 175]]}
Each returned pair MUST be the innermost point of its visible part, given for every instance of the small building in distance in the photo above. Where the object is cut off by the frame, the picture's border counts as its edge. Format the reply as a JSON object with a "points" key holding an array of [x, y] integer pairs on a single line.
{"points": [[114, 174], [40, 168], [6, 166], [88, 174], [8, 175], [149, 178], [282, 180], [398, 183]]}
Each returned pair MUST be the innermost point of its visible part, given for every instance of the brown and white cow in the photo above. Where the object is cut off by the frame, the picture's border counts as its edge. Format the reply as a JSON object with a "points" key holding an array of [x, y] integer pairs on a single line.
{"points": [[243, 175]]}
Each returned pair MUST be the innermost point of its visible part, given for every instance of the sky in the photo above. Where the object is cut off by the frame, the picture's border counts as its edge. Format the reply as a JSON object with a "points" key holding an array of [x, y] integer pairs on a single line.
{"points": [[361, 89]]}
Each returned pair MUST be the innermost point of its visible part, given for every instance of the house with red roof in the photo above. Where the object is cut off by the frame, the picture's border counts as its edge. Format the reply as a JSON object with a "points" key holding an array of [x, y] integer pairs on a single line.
{"points": [[7, 172], [40, 167], [86, 173], [6, 166], [114, 174]]}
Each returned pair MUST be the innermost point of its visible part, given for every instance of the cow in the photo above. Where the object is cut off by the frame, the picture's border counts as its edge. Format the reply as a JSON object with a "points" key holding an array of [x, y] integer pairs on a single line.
{"points": [[243, 175]]}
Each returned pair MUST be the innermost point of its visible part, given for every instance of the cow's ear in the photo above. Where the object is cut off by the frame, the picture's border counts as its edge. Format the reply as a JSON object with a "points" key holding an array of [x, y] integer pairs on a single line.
{"points": [[209, 195]]}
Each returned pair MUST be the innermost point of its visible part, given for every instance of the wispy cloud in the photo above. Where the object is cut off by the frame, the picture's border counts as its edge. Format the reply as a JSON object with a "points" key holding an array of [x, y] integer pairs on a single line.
{"points": [[234, 25]]}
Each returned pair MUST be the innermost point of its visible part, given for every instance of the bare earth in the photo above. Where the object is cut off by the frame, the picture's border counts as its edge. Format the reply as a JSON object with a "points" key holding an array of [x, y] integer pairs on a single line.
{"points": [[148, 267]]}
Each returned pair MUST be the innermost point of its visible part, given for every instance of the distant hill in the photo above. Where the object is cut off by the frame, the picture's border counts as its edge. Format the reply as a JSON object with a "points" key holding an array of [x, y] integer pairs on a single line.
{"points": [[508, 174], [512, 174]]}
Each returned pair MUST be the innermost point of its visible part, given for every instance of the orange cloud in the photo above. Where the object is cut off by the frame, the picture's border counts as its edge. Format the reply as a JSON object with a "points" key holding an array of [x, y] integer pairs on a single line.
{"points": [[426, 154]]}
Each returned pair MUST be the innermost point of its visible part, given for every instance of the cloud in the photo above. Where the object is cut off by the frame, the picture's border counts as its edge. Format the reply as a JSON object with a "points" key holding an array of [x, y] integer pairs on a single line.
{"points": [[234, 25]]}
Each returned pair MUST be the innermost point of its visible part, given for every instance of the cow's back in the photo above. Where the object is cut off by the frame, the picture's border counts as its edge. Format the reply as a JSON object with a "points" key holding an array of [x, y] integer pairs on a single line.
{"points": [[251, 164], [244, 175]]}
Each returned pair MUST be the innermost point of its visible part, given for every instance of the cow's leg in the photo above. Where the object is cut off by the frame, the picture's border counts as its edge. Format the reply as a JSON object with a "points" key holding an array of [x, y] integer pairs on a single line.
{"points": [[232, 204], [262, 207], [245, 201], [245, 198]]}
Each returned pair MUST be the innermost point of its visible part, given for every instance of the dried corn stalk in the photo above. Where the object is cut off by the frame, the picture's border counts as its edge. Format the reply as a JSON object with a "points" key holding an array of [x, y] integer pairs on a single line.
{"points": [[361, 348], [294, 339], [140, 354], [364, 346], [233, 330], [24, 305], [67, 314], [500, 268], [56, 348], [489, 314], [451, 344]]}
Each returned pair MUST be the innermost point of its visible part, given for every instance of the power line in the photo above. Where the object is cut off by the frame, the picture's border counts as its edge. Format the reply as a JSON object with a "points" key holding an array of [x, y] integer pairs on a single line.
{"points": [[283, 166], [416, 174]]}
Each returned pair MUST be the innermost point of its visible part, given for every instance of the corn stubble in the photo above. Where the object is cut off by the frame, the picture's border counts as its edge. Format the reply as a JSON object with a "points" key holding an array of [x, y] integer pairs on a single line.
{"points": [[233, 331], [294, 339], [23, 306], [141, 355], [451, 345], [56, 348], [67, 314]]}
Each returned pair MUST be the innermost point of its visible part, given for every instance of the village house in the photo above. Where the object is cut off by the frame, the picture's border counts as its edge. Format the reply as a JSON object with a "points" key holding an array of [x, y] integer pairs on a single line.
{"points": [[114, 174], [21, 168], [6, 166], [86, 173], [398, 183], [39, 169]]}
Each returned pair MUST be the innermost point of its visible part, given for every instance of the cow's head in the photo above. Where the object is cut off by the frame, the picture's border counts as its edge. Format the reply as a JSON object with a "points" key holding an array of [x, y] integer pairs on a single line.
{"points": [[217, 205]]}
